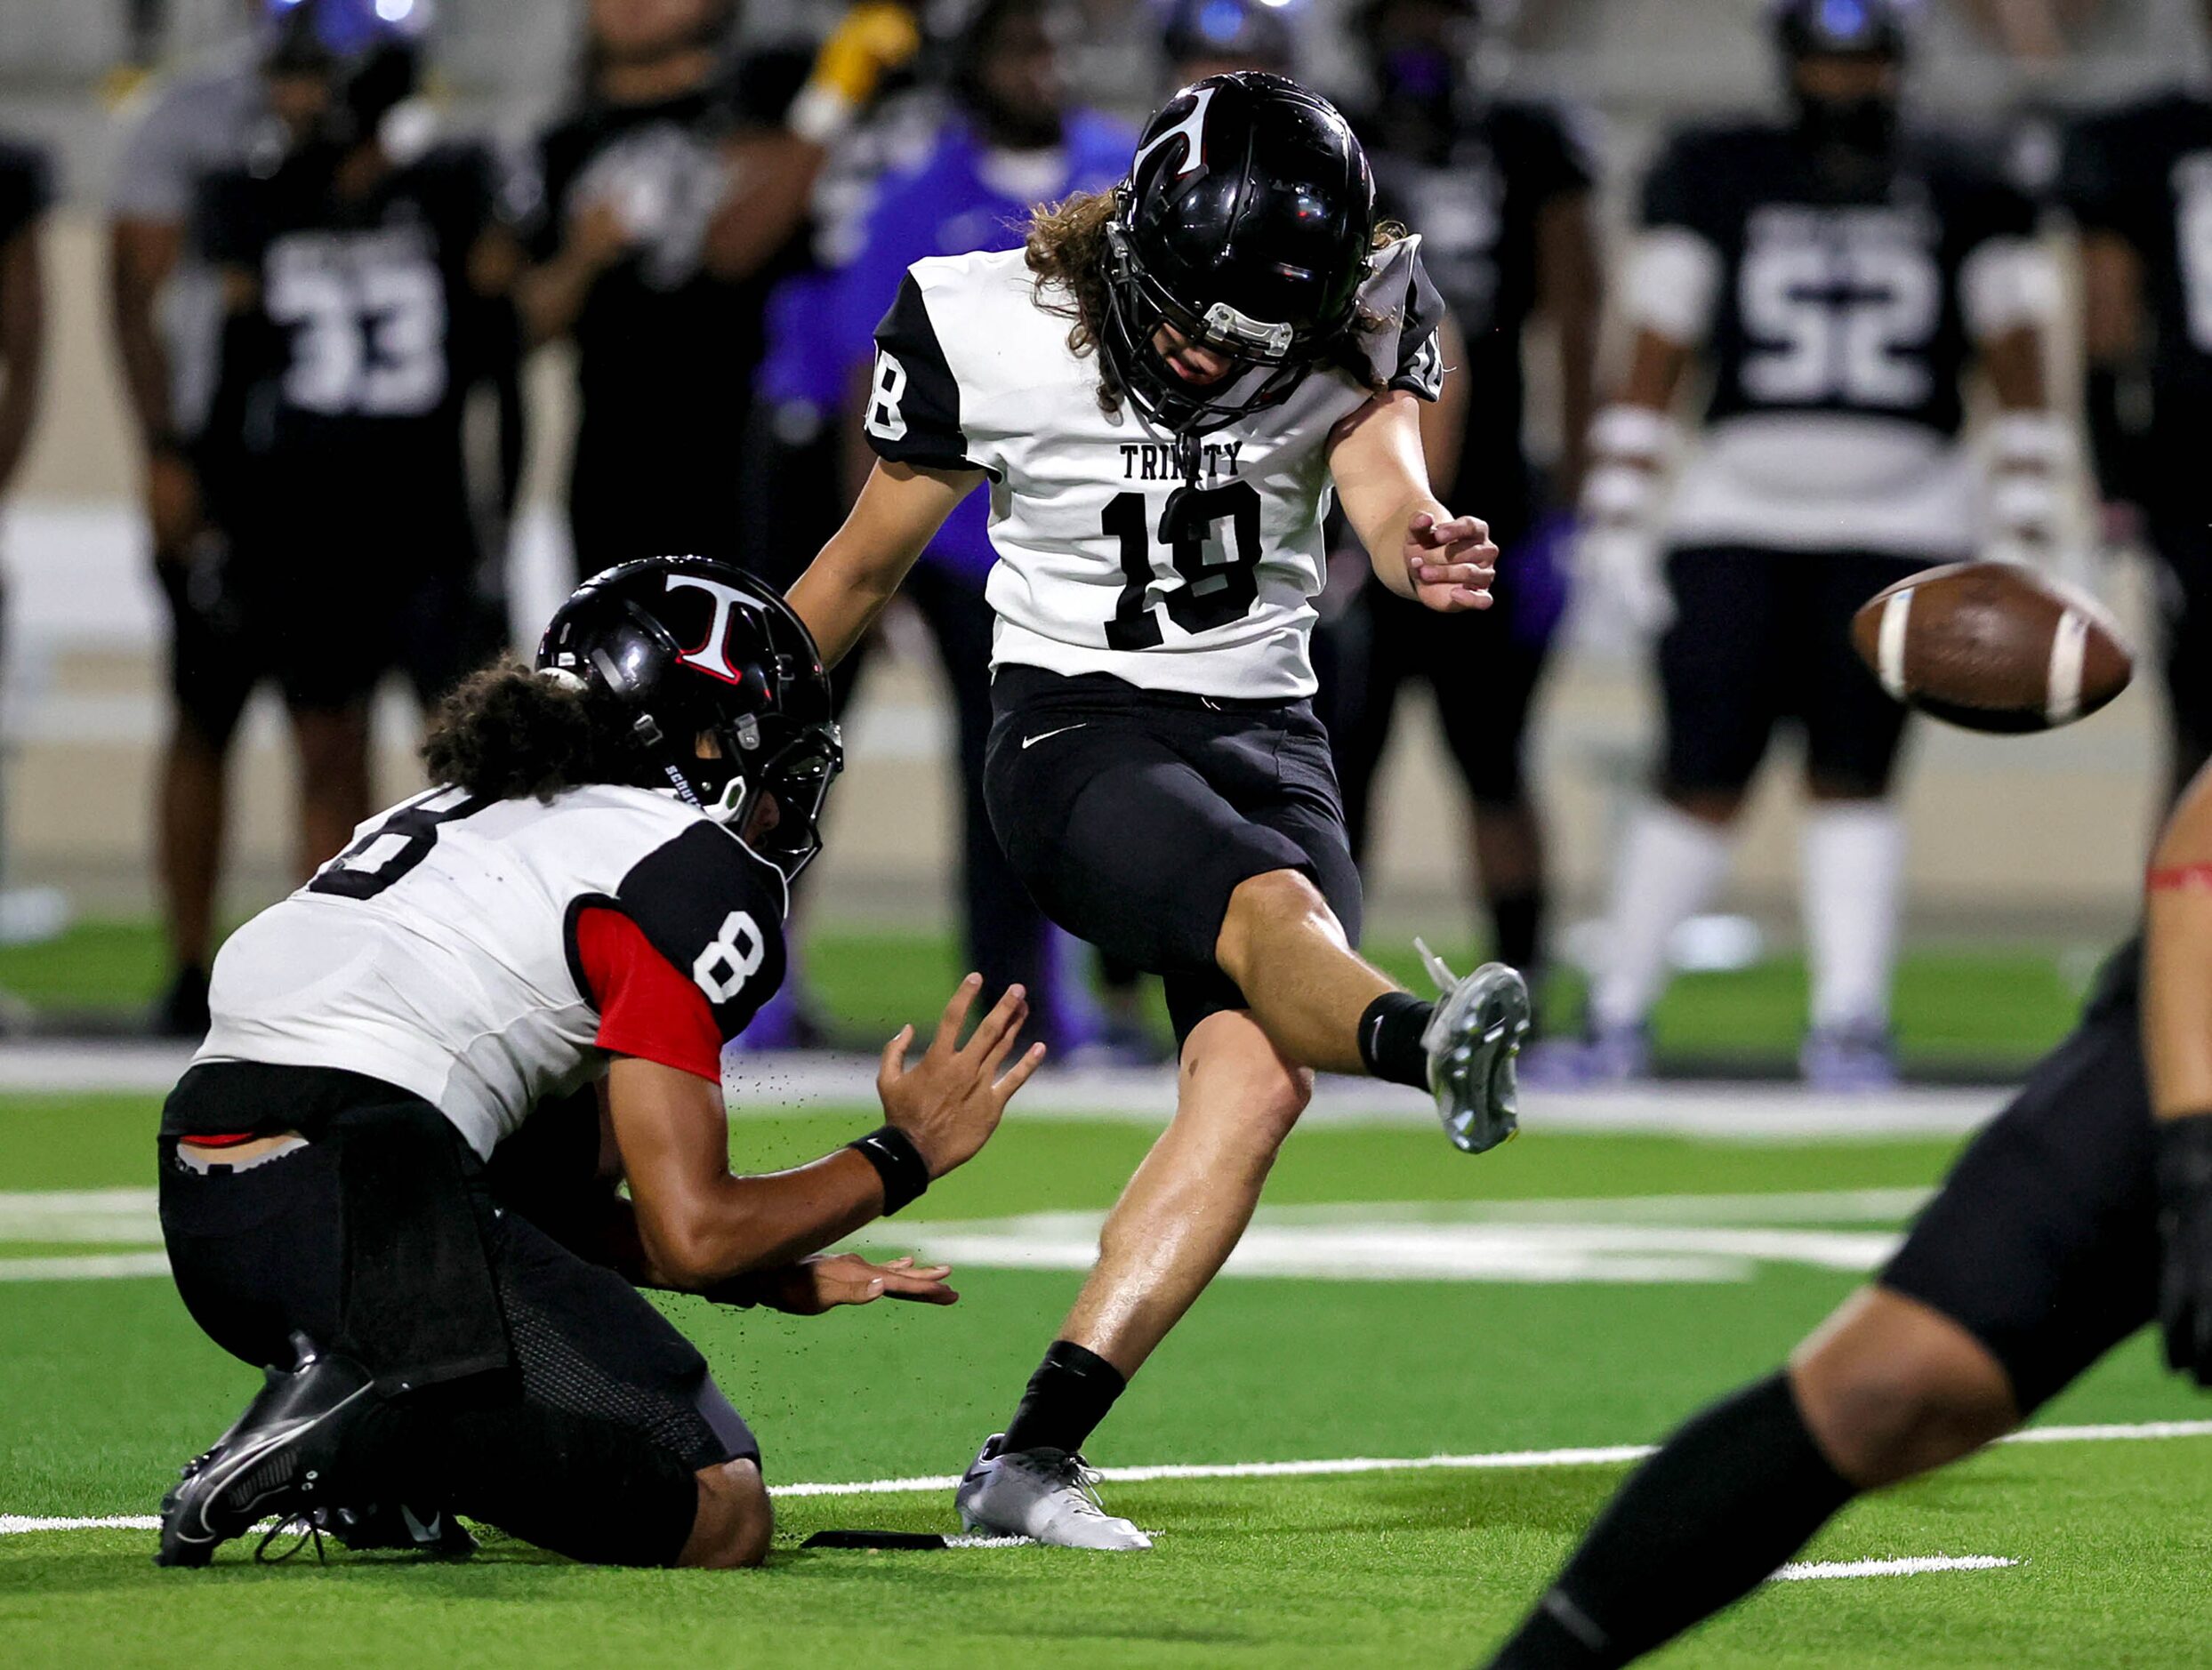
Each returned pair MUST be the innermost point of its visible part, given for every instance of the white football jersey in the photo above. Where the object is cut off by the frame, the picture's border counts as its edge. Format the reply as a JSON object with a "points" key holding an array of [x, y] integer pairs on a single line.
{"points": [[438, 952], [1188, 567]]}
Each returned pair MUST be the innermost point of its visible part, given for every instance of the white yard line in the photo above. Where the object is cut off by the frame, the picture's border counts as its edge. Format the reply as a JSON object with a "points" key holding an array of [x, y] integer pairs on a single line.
{"points": [[771, 1085], [1813, 1571], [1605, 1455]]}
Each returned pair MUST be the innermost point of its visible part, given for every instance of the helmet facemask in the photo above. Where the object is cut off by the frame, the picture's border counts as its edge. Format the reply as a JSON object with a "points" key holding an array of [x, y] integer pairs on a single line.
{"points": [[1267, 360]]}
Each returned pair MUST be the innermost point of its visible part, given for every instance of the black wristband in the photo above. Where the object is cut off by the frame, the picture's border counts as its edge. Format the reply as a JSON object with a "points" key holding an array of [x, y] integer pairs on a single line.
{"points": [[897, 1161], [2182, 1159]]}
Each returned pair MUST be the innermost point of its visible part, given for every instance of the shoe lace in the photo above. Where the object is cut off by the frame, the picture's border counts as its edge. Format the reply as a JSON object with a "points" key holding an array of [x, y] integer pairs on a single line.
{"points": [[1078, 1476], [303, 1529]]}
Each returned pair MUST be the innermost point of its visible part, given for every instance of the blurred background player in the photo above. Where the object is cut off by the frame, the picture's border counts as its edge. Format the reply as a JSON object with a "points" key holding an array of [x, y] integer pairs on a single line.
{"points": [[165, 311], [1499, 190], [2138, 183], [364, 286], [665, 205], [26, 193], [1838, 275], [1011, 136]]}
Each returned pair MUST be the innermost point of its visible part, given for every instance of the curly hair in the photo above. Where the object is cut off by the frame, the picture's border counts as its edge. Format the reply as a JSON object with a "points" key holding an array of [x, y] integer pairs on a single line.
{"points": [[507, 731], [1065, 248]]}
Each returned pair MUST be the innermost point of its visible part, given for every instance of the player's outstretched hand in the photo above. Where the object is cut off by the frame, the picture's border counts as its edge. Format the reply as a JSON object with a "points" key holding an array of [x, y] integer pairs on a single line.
{"points": [[1451, 562], [2185, 1180], [816, 1284], [949, 1102]]}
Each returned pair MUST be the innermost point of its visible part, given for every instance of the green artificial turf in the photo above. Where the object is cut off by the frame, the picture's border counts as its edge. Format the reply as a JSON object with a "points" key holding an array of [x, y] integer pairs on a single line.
{"points": [[1957, 1006], [105, 1385]]}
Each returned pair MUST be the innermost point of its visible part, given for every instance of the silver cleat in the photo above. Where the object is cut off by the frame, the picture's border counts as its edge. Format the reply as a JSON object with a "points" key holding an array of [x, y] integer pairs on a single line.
{"points": [[1472, 1040]]}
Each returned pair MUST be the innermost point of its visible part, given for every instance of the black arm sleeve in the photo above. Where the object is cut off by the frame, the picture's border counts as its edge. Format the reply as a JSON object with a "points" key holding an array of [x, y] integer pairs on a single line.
{"points": [[716, 912], [914, 399]]}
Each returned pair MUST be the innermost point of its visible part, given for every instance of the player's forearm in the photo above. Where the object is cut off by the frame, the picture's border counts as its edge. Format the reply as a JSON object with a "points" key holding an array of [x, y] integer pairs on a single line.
{"points": [[1573, 298], [839, 598], [22, 350], [742, 1226], [1386, 537], [771, 180], [550, 297], [145, 363], [2178, 960], [2012, 361]]}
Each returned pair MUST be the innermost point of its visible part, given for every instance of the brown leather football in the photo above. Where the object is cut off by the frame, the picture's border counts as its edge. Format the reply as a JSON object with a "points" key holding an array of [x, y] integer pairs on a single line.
{"points": [[1993, 646]]}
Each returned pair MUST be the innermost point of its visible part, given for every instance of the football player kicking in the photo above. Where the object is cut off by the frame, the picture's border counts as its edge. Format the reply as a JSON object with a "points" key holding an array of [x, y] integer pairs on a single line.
{"points": [[1160, 390], [591, 897], [2082, 1212]]}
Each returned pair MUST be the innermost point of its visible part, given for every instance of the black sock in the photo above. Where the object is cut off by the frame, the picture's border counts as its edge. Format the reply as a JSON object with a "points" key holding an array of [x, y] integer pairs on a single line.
{"points": [[1730, 1497], [1390, 1038], [1517, 924], [1067, 1397]]}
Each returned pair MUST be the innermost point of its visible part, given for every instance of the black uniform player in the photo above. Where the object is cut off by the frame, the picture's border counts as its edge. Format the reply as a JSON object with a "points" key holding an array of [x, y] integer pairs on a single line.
{"points": [[2082, 1212], [2138, 182], [659, 217], [1838, 277], [26, 193], [1500, 192], [366, 299], [374, 1162]]}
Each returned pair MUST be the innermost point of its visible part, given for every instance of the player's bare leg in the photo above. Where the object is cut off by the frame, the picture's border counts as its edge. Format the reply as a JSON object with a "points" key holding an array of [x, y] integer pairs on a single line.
{"points": [[1886, 1390], [334, 796], [1325, 1007], [191, 809], [1246, 1077], [1285, 948], [1169, 1233], [736, 1520], [1182, 1213]]}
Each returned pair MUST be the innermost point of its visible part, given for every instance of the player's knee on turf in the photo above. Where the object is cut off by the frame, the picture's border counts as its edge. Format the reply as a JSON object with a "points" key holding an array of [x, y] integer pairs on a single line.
{"points": [[735, 1520], [1891, 1389]]}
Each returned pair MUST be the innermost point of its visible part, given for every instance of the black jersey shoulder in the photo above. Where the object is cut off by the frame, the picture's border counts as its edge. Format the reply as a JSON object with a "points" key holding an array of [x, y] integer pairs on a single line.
{"points": [[1406, 313], [913, 413], [451, 188], [1705, 174], [716, 911], [1968, 182], [26, 187]]}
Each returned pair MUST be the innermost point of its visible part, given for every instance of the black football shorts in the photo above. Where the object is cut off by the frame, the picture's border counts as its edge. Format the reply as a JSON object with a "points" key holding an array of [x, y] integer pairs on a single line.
{"points": [[1131, 816], [523, 1385], [1764, 636], [2042, 1243]]}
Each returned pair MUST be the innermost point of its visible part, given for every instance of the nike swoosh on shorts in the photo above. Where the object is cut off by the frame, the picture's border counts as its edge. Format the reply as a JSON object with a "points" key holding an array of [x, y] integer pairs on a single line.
{"points": [[1031, 742]]}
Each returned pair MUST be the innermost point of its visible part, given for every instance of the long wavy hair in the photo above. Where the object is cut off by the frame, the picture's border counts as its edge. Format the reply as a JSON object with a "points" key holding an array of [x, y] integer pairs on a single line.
{"points": [[507, 731], [1065, 250]]}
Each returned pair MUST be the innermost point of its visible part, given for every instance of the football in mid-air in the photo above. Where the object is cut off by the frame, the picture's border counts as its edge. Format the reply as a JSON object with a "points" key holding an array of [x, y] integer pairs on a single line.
{"points": [[1993, 646]]}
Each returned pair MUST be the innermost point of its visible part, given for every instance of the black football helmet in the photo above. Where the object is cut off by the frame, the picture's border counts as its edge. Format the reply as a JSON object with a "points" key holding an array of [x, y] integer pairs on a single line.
{"points": [[1246, 222], [1852, 141], [689, 646], [1805, 28], [370, 52]]}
